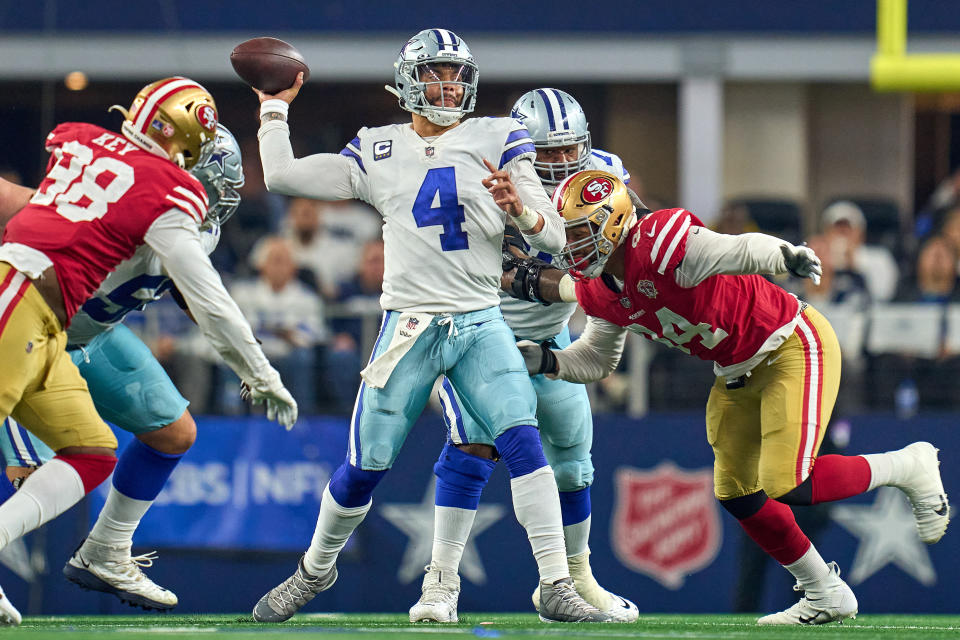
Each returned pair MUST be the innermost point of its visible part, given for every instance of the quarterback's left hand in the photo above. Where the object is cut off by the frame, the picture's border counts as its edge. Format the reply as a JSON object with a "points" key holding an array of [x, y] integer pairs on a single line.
{"points": [[802, 262], [501, 187]]}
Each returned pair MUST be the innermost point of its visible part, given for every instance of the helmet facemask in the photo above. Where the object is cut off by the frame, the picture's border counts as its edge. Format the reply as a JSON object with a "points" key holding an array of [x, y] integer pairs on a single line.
{"points": [[430, 64], [553, 173], [221, 174]]}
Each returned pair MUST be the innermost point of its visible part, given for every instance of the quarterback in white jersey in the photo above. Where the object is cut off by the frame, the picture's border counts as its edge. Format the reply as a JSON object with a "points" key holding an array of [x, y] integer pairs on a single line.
{"points": [[443, 187], [559, 130], [131, 390]]}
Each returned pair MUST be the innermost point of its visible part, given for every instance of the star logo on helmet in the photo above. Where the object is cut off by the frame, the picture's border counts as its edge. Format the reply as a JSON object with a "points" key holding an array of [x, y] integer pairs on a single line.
{"points": [[219, 158]]}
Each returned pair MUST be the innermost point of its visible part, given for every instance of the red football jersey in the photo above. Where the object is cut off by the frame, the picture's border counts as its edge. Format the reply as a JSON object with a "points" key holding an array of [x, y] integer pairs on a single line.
{"points": [[726, 319], [100, 196]]}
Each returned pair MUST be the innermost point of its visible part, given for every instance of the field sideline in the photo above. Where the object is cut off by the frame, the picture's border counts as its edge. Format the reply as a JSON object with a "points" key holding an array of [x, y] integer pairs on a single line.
{"points": [[474, 625]]}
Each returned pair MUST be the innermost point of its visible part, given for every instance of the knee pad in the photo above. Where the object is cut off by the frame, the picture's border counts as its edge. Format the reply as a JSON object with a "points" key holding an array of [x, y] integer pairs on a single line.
{"points": [[573, 475], [801, 495], [521, 450], [92, 469], [461, 478], [352, 487]]}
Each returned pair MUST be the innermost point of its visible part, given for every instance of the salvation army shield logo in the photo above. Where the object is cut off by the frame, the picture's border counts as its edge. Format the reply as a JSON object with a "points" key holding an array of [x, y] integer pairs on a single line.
{"points": [[666, 523]]}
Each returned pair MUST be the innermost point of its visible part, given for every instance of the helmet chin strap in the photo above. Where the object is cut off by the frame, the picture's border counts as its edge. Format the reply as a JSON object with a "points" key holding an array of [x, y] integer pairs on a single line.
{"points": [[442, 119]]}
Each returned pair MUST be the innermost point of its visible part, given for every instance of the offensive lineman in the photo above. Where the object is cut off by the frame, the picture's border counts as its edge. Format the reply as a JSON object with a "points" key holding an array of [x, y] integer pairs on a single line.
{"points": [[777, 360], [104, 196], [558, 128], [442, 235], [131, 389]]}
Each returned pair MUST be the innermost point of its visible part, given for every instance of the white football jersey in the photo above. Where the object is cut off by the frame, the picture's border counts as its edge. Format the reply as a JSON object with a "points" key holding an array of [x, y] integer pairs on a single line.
{"points": [[532, 320], [441, 228], [135, 282]]}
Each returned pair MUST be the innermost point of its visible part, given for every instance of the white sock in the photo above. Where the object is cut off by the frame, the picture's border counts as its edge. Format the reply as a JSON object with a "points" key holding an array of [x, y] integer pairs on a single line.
{"points": [[49, 491], [118, 520], [809, 570], [334, 526], [887, 468], [536, 504], [451, 528], [575, 536]]}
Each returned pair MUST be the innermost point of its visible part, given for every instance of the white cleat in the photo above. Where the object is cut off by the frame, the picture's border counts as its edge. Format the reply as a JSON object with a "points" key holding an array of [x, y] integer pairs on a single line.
{"points": [[924, 488], [9, 616], [101, 567], [280, 603], [560, 602], [834, 603], [618, 608], [438, 601]]}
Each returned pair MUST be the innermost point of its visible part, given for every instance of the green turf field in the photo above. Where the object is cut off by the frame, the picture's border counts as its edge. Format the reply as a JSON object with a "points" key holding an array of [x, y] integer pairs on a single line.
{"points": [[494, 625]]}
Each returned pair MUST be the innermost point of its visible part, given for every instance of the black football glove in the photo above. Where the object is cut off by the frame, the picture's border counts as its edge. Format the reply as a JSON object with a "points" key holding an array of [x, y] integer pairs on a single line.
{"points": [[539, 358]]}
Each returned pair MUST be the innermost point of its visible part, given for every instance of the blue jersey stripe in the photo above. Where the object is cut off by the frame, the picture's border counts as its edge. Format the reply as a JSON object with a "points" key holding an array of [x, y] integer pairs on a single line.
{"points": [[606, 159], [563, 109], [352, 154], [456, 411], [13, 443], [519, 134], [546, 104], [29, 444], [355, 425], [510, 154]]}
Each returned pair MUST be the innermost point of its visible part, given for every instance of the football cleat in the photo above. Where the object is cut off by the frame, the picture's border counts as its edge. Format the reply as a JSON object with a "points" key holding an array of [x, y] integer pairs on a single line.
{"points": [[560, 602], [438, 601], [922, 483], [9, 616], [834, 603], [619, 609], [280, 603], [110, 569]]}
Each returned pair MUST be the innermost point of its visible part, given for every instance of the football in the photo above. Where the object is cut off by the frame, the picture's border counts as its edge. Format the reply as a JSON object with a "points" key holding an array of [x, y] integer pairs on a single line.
{"points": [[268, 64]]}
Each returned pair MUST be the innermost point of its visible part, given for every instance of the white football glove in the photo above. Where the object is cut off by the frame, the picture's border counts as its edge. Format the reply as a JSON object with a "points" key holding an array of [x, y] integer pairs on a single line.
{"points": [[281, 406], [802, 262]]}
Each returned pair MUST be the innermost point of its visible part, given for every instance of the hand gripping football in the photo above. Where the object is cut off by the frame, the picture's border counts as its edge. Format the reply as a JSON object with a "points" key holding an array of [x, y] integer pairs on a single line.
{"points": [[268, 64]]}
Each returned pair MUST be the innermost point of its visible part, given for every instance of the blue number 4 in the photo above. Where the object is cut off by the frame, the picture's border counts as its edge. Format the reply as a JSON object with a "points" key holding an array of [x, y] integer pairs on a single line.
{"points": [[441, 183]]}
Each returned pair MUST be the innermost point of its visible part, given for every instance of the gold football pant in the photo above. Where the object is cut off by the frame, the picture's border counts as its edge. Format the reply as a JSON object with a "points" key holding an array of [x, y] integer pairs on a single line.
{"points": [[39, 384], [766, 434]]}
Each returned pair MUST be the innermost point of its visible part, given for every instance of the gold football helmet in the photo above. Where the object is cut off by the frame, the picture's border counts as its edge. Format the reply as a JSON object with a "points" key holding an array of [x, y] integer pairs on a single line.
{"points": [[174, 118], [597, 213]]}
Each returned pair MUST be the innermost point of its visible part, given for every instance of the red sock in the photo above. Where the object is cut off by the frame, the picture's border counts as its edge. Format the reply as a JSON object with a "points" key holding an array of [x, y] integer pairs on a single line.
{"points": [[838, 477], [774, 528], [92, 469]]}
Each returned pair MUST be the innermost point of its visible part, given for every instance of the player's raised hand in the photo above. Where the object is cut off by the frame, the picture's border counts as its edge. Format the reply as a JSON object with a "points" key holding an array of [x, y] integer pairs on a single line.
{"points": [[504, 192], [802, 262], [287, 95]]}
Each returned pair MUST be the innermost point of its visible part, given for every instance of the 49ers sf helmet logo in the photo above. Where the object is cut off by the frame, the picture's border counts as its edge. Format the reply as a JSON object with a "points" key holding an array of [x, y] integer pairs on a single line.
{"points": [[207, 117], [596, 190]]}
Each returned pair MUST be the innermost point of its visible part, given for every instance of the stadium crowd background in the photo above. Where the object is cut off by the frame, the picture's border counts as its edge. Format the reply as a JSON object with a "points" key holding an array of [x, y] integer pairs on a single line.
{"points": [[755, 117]]}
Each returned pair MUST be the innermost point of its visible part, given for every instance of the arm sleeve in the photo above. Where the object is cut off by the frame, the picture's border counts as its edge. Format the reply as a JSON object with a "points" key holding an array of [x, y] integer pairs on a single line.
{"points": [[594, 355], [709, 253], [552, 237], [323, 176], [175, 239]]}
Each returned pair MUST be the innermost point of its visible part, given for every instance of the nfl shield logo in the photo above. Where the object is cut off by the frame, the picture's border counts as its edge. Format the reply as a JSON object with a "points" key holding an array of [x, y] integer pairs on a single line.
{"points": [[666, 524], [429, 152], [646, 288], [412, 323]]}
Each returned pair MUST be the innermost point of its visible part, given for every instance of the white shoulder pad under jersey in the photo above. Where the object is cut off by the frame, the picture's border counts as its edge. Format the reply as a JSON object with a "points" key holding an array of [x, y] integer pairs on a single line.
{"points": [[442, 230], [135, 282], [609, 162], [532, 320]]}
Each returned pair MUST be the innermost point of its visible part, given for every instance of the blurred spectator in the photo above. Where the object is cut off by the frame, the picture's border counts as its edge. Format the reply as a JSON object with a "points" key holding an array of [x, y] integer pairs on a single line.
{"points": [[937, 269], [327, 238], [844, 286], [286, 316], [950, 230], [258, 215], [844, 227], [734, 219]]}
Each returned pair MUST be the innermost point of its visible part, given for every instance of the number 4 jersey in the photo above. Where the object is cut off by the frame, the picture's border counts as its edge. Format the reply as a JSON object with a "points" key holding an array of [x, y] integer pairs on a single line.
{"points": [[100, 196], [730, 319]]}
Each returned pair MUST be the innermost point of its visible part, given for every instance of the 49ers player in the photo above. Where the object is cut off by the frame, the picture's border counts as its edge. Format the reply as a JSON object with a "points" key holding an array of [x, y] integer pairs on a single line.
{"points": [[777, 360], [104, 196]]}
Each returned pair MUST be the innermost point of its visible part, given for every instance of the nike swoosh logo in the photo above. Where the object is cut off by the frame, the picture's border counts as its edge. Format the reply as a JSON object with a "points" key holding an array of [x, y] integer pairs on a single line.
{"points": [[653, 230], [943, 510], [85, 564]]}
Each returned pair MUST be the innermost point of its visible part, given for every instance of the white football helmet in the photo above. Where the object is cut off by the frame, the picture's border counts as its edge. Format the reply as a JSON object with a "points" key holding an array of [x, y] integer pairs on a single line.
{"points": [[416, 71], [221, 174], [554, 119]]}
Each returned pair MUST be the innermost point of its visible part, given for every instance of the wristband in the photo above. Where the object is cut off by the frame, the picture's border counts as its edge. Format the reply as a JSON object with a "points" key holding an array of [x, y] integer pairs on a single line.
{"points": [[527, 219], [274, 105]]}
